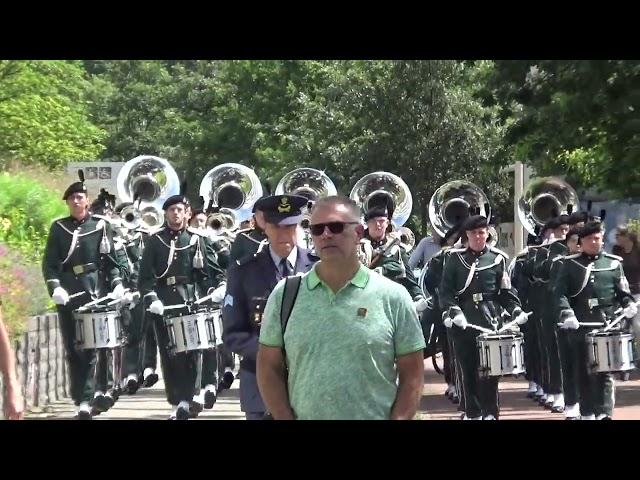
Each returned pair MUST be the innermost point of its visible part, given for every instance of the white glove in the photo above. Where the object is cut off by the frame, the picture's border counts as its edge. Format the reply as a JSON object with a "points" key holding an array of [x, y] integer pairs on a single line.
{"points": [[571, 322], [521, 318], [217, 294], [127, 299], [60, 296], [118, 292], [630, 310], [420, 305], [447, 322], [156, 307], [460, 321]]}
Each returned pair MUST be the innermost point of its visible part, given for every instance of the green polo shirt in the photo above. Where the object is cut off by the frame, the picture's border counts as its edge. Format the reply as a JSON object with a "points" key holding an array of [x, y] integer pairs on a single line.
{"points": [[341, 348]]}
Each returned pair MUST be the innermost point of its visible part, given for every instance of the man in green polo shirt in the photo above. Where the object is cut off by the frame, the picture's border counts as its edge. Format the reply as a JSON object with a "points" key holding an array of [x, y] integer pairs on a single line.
{"points": [[353, 341]]}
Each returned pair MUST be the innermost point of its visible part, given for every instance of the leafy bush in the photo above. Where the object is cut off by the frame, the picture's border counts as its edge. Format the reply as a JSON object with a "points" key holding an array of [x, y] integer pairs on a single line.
{"points": [[27, 208], [22, 290]]}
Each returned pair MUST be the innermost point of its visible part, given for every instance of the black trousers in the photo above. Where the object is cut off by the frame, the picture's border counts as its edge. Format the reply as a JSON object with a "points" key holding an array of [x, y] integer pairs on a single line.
{"points": [[553, 369], [569, 368], [455, 368], [210, 370], [182, 372], [596, 392], [133, 323], [150, 345], [82, 363], [480, 392]]}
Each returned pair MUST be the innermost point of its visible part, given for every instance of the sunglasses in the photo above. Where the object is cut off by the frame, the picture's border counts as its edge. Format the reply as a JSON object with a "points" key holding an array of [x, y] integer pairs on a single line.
{"points": [[334, 227]]}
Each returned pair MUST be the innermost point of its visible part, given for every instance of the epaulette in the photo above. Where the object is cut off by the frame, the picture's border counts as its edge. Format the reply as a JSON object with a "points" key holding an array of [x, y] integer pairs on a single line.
{"points": [[155, 231], [457, 250], [575, 255], [559, 257], [611, 255], [247, 259], [196, 231], [499, 252], [110, 221]]}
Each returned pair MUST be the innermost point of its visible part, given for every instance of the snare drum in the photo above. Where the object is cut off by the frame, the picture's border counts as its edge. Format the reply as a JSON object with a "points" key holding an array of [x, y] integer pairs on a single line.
{"points": [[501, 354], [189, 333], [216, 323], [610, 351], [98, 330]]}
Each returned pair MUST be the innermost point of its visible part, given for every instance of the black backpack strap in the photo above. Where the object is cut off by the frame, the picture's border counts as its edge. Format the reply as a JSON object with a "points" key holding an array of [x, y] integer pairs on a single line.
{"points": [[291, 287]]}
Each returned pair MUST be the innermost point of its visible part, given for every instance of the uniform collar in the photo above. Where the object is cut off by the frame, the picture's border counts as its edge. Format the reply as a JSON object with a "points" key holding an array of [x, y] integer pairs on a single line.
{"points": [[592, 258], [292, 257], [176, 233], [376, 243], [360, 279], [79, 222], [478, 254]]}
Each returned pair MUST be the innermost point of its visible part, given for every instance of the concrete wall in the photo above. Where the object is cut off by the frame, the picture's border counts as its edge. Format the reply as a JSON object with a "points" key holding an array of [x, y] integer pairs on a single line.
{"points": [[40, 363]]}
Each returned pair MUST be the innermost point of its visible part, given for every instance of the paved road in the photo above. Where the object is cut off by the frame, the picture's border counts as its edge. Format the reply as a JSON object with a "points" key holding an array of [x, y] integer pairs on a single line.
{"points": [[150, 404]]}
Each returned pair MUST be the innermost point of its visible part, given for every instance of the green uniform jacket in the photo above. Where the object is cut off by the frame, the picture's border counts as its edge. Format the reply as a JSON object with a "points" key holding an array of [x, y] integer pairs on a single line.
{"points": [[394, 265], [72, 258], [433, 276], [468, 273], [168, 273], [519, 280], [592, 286], [246, 243]]}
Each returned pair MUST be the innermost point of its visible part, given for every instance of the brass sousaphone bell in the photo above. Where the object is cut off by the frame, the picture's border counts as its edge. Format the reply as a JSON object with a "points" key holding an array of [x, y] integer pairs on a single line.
{"points": [[147, 181]]}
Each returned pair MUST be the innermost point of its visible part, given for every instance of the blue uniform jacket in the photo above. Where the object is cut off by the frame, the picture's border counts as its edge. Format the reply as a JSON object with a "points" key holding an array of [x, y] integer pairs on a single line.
{"points": [[251, 281]]}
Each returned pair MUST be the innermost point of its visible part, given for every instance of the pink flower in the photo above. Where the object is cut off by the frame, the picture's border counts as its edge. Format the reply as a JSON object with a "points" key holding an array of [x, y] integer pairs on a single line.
{"points": [[3, 250]]}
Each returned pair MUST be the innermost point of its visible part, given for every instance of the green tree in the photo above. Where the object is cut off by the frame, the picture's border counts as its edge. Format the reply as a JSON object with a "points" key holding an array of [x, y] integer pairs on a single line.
{"points": [[44, 113], [574, 117]]}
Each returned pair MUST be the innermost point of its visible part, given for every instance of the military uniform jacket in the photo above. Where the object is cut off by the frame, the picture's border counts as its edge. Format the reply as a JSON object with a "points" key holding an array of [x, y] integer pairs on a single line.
{"points": [[518, 279], [73, 258], [394, 264], [478, 284], [592, 286], [247, 242], [433, 275], [544, 258], [134, 247], [167, 269], [249, 284]]}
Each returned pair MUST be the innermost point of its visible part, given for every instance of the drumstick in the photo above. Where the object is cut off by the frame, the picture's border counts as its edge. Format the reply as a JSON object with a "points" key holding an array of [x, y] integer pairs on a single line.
{"points": [[172, 307], [94, 302], [482, 329], [111, 293], [203, 299], [77, 294], [620, 318], [512, 323], [585, 324]]}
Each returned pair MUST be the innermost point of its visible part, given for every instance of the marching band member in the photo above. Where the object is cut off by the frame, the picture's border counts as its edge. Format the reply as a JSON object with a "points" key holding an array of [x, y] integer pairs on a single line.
{"points": [[384, 254], [79, 258], [175, 261], [588, 288], [475, 284]]}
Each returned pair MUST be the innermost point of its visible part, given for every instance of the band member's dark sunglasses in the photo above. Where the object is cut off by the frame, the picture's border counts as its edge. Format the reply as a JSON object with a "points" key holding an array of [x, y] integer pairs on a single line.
{"points": [[334, 227]]}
